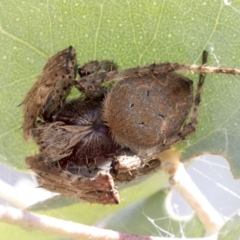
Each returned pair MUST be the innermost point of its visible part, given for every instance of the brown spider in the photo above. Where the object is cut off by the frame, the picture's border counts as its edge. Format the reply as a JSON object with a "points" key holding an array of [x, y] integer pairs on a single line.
{"points": [[123, 117]]}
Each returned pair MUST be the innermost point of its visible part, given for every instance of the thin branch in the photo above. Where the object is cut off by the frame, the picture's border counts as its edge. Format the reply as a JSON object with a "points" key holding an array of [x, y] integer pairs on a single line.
{"points": [[205, 69], [180, 180], [30, 221], [183, 183]]}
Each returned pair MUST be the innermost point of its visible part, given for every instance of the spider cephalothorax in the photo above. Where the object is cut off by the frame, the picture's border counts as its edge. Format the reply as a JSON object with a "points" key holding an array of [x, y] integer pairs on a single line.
{"points": [[81, 134], [123, 118]]}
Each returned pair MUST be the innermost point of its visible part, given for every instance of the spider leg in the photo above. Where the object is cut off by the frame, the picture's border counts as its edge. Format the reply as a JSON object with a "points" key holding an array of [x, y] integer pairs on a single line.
{"points": [[94, 187], [127, 167], [197, 100], [63, 82], [110, 77], [88, 72], [191, 126], [94, 67], [50, 90], [130, 168]]}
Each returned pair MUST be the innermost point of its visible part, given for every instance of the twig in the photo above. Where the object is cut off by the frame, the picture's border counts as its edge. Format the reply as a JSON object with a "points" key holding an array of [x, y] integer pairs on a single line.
{"points": [[182, 182], [31, 221]]}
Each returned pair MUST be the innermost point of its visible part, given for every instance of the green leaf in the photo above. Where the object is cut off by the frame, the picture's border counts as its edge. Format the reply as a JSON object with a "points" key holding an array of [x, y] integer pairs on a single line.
{"points": [[130, 33], [231, 228]]}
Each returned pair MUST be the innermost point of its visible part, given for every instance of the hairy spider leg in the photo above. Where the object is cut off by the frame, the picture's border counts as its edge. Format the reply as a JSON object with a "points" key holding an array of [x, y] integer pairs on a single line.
{"points": [[191, 126]]}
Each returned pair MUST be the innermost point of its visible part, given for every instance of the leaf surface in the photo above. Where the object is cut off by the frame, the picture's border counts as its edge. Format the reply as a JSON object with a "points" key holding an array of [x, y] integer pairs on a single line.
{"points": [[131, 33]]}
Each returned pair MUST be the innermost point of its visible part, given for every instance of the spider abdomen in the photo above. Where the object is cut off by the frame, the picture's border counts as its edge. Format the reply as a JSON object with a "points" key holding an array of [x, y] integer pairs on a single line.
{"points": [[145, 111]]}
